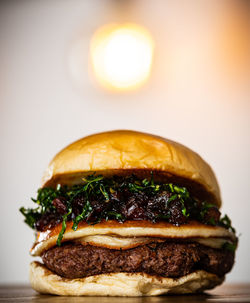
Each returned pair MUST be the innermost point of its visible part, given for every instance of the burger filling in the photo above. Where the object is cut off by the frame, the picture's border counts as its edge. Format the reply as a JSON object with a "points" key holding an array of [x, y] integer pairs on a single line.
{"points": [[128, 198], [120, 198], [165, 259]]}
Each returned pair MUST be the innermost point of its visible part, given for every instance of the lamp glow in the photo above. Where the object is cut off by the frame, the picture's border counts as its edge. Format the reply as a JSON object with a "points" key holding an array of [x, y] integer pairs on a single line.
{"points": [[121, 56]]}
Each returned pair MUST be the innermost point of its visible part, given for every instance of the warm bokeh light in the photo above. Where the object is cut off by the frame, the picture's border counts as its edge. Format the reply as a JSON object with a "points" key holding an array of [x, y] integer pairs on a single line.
{"points": [[121, 56]]}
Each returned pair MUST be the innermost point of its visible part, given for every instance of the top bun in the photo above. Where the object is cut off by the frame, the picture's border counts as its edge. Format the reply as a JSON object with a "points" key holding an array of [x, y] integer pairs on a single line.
{"points": [[123, 152]]}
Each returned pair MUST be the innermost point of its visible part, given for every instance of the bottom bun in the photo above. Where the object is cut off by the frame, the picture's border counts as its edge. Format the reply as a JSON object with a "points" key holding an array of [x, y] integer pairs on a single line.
{"points": [[119, 284]]}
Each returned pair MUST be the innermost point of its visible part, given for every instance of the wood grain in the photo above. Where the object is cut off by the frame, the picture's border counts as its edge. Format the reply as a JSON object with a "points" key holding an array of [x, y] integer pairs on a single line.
{"points": [[225, 293]]}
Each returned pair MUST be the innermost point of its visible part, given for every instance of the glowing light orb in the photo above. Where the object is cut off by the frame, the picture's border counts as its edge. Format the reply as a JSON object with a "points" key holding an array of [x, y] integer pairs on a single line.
{"points": [[121, 56]]}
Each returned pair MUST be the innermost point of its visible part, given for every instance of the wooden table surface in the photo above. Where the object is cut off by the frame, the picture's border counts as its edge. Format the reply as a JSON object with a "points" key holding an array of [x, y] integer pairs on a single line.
{"points": [[224, 293]]}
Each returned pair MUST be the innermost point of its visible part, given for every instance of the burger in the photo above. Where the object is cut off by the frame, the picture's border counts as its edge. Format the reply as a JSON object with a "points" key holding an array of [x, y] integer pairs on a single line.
{"points": [[124, 213]]}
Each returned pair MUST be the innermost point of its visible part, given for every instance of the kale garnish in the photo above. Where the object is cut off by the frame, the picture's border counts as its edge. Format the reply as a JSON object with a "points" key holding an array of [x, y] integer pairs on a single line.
{"points": [[230, 246], [84, 214], [64, 225], [31, 215], [204, 208], [104, 190], [226, 222]]}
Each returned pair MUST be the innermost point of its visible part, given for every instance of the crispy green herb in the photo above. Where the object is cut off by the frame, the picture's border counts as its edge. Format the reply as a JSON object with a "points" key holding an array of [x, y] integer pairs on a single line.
{"points": [[85, 212], [60, 236], [117, 216], [145, 185], [204, 208], [31, 216], [45, 196], [230, 246], [226, 222], [145, 182], [103, 190], [211, 221], [172, 198], [182, 194]]}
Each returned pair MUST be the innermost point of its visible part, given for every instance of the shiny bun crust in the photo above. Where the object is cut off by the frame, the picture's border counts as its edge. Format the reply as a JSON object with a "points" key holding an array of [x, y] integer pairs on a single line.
{"points": [[119, 284], [124, 152]]}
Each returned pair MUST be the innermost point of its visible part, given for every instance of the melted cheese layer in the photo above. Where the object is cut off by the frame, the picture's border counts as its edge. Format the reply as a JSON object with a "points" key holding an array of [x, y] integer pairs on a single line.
{"points": [[139, 232], [114, 242]]}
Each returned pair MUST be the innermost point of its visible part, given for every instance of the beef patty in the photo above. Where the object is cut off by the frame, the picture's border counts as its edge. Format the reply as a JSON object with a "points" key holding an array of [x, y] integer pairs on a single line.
{"points": [[165, 259]]}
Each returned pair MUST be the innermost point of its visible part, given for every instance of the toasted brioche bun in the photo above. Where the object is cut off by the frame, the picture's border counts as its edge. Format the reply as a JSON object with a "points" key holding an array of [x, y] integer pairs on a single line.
{"points": [[46, 240], [119, 284], [125, 152]]}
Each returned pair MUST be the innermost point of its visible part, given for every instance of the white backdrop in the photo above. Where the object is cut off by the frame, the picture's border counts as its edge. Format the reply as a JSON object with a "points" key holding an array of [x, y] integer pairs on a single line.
{"points": [[198, 95]]}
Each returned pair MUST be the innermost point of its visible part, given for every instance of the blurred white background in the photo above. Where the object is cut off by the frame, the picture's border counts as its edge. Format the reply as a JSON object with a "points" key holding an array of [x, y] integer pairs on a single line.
{"points": [[198, 94]]}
